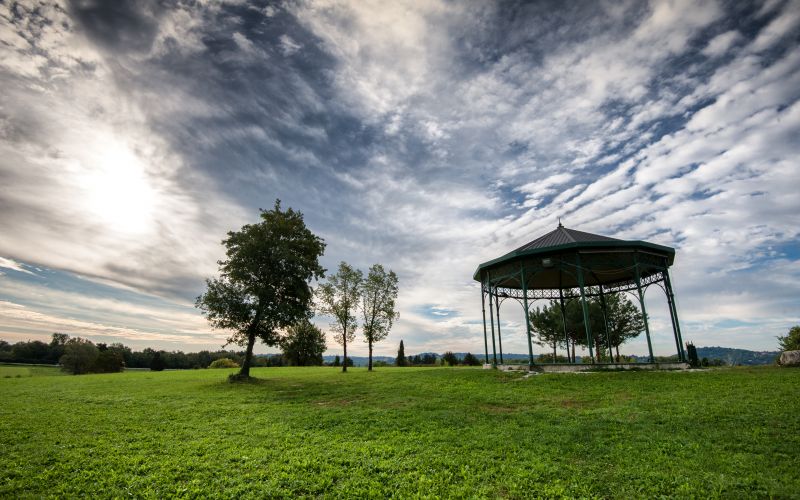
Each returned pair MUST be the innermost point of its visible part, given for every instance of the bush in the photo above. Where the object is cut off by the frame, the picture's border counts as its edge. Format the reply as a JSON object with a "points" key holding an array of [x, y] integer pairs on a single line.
{"points": [[224, 363], [108, 361], [79, 356]]}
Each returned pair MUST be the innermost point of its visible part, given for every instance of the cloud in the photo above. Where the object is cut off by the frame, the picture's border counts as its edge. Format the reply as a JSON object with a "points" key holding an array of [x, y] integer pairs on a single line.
{"points": [[428, 136]]}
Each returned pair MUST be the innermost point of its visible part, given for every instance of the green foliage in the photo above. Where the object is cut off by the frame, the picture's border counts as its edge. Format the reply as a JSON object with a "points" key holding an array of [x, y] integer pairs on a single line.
{"points": [[309, 432], [790, 341], [471, 360], [691, 352], [224, 363], [108, 361], [337, 361], [339, 297], [79, 356], [156, 363], [264, 283], [378, 295], [449, 359], [400, 360], [303, 344], [623, 318]]}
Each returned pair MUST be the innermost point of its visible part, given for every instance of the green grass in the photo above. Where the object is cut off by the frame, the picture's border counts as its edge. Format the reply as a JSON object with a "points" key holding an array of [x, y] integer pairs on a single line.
{"points": [[402, 432], [18, 371]]}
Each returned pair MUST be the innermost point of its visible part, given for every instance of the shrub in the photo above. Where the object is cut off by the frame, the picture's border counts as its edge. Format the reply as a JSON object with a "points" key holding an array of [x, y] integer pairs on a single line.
{"points": [[108, 361], [224, 363], [79, 356]]}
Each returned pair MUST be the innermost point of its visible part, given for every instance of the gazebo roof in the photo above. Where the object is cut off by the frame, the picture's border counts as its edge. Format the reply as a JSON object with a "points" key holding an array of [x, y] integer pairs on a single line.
{"points": [[562, 242]]}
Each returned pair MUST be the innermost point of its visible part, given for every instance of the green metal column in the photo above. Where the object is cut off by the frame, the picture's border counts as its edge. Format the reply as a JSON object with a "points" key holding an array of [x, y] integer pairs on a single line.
{"points": [[586, 325], [563, 314], [605, 323], [499, 338], [527, 318], [644, 310], [491, 319], [483, 310], [673, 313]]}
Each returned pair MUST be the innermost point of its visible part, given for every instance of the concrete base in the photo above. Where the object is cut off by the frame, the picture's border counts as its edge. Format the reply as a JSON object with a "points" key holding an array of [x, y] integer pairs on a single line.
{"points": [[570, 368]]}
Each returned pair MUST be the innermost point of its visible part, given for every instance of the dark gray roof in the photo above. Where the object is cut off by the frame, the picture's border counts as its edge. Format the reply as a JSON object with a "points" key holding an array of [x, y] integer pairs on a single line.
{"points": [[561, 236]]}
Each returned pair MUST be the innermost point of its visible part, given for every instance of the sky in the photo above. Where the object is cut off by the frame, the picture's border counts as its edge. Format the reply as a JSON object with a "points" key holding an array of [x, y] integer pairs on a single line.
{"points": [[427, 136]]}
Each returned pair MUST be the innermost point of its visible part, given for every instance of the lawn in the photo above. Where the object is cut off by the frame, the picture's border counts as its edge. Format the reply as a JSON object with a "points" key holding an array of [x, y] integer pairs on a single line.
{"points": [[423, 432]]}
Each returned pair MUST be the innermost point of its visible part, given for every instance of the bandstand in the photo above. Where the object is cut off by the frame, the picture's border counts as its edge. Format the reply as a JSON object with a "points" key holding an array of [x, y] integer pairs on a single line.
{"points": [[567, 264]]}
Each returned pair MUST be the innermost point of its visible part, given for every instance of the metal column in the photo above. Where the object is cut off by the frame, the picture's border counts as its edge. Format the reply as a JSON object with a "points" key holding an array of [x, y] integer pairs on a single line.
{"points": [[586, 324], [499, 338], [673, 313], [644, 309], [483, 310], [527, 318]]}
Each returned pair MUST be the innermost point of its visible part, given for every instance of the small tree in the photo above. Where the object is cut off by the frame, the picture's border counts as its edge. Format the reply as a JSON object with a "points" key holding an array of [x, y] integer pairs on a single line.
{"points": [[264, 283], [303, 344], [339, 297], [401, 355], [378, 296], [337, 361], [790, 341], [109, 361], [471, 360], [79, 356], [156, 363], [449, 358]]}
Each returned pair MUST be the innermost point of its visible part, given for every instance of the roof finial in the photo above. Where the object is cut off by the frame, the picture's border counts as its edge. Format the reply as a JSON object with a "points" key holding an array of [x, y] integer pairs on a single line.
{"points": [[559, 222]]}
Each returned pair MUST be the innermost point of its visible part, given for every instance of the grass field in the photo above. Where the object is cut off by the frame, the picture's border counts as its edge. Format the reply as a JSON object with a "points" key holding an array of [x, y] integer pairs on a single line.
{"points": [[436, 432]]}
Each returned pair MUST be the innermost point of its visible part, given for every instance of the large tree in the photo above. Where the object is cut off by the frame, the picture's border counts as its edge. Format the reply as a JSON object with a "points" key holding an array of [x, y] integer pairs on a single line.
{"points": [[303, 344], [265, 282], [624, 323], [378, 296], [339, 297], [790, 341]]}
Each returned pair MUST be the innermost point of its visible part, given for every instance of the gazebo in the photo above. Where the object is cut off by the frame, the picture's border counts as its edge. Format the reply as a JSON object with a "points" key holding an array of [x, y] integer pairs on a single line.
{"points": [[567, 264]]}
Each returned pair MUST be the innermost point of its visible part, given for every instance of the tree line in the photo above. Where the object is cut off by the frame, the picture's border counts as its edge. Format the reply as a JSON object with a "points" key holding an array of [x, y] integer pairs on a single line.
{"points": [[264, 291]]}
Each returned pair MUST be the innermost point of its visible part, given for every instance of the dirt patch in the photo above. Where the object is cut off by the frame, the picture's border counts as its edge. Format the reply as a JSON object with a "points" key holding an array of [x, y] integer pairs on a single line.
{"points": [[499, 409]]}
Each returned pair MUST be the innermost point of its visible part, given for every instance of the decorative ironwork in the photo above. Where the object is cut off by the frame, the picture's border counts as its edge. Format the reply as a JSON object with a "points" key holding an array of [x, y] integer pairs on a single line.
{"points": [[568, 265]]}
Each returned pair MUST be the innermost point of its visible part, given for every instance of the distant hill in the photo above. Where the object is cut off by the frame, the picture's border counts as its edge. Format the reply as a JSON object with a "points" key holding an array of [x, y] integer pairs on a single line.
{"points": [[738, 356]]}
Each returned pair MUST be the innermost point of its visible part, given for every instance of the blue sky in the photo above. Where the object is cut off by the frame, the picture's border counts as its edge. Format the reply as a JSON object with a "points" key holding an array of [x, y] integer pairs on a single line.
{"points": [[426, 136]]}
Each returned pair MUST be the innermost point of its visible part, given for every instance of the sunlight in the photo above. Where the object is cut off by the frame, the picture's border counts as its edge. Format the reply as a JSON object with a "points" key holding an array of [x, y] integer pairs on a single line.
{"points": [[118, 191]]}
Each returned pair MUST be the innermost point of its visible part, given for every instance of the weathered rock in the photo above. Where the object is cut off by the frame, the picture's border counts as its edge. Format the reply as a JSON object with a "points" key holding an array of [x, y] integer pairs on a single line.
{"points": [[790, 358]]}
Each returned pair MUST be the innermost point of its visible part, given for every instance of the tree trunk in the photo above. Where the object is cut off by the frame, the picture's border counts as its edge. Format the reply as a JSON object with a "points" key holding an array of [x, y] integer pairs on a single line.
{"points": [[617, 354], [248, 355], [344, 343], [370, 356], [573, 351], [554, 351]]}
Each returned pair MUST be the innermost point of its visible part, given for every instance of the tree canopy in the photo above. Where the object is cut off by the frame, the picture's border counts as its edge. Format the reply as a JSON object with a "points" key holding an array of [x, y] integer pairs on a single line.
{"points": [[303, 344], [790, 341], [265, 282], [623, 318]]}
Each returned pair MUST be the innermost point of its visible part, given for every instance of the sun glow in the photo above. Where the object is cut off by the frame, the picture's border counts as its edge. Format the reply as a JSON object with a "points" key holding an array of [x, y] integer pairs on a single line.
{"points": [[118, 191]]}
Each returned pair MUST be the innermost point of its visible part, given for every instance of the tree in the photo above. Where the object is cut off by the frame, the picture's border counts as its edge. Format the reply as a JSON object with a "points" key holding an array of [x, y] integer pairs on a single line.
{"points": [[378, 296], [264, 283], [156, 363], [401, 355], [339, 297], [449, 358], [303, 344], [790, 341], [625, 320], [108, 361], [471, 360], [224, 363], [337, 361], [79, 356]]}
